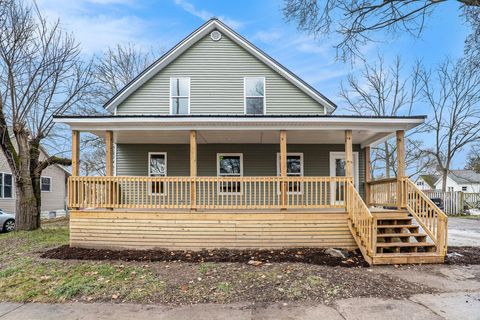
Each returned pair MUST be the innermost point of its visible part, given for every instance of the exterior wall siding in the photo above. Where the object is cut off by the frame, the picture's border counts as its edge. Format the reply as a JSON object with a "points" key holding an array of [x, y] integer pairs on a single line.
{"points": [[217, 70], [51, 201], [258, 159]]}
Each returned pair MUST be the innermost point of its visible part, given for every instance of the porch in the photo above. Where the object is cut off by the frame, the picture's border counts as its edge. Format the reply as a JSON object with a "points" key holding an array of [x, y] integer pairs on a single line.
{"points": [[238, 207]]}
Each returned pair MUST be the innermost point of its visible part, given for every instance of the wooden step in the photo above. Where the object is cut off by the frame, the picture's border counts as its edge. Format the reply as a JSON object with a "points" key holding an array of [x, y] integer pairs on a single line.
{"points": [[400, 235], [396, 226], [405, 258], [404, 244]]}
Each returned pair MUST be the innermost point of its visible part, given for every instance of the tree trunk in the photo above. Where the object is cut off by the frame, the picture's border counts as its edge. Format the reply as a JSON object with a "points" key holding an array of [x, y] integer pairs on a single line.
{"points": [[27, 206], [28, 200], [444, 179]]}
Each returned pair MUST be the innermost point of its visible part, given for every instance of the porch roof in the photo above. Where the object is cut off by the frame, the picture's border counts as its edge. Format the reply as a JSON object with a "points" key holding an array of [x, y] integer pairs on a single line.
{"points": [[322, 129]]}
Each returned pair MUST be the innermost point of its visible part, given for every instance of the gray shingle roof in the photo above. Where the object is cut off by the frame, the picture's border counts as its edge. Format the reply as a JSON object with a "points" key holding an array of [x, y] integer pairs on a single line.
{"points": [[464, 176]]}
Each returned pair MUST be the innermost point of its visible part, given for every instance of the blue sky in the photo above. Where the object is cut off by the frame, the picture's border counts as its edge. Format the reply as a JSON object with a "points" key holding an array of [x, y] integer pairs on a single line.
{"points": [[160, 24]]}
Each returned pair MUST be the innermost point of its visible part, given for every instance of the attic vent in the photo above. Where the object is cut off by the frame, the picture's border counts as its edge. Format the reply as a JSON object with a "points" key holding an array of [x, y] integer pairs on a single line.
{"points": [[215, 35]]}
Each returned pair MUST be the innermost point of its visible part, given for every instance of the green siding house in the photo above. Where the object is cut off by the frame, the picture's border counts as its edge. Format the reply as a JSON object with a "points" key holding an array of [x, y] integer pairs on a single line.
{"points": [[216, 144]]}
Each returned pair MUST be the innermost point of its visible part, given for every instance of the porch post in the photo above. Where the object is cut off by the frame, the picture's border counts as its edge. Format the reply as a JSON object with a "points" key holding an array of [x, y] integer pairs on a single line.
{"points": [[348, 154], [400, 166], [75, 153], [368, 175], [283, 167], [193, 169], [109, 153]]}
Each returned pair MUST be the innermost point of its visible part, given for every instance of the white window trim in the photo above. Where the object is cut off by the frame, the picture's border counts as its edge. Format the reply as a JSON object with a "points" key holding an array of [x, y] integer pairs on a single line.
{"points": [[229, 174], [51, 186], [171, 97], [301, 170], [149, 174], [3, 186], [245, 94], [336, 154]]}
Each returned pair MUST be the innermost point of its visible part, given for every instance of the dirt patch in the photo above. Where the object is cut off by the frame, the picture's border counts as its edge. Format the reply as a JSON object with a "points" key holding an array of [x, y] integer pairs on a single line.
{"points": [[463, 255], [254, 257]]}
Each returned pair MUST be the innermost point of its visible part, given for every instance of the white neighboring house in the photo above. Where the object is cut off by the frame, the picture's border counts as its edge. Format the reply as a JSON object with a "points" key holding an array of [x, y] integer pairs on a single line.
{"points": [[53, 185], [461, 180], [426, 182]]}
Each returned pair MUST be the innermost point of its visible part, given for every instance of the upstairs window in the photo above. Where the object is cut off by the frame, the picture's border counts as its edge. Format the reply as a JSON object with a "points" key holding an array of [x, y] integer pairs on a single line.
{"points": [[255, 95], [179, 95], [46, 184]]}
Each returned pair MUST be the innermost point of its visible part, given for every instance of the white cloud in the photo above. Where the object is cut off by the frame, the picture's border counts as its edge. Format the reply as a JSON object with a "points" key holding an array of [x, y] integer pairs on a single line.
{"points": [[97, 29], [267, 36], [205, 15]]}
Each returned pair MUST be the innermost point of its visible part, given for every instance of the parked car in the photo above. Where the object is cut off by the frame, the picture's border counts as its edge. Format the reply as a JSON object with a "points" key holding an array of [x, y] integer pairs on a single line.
{"points": [[439, 203], [7, 221]]}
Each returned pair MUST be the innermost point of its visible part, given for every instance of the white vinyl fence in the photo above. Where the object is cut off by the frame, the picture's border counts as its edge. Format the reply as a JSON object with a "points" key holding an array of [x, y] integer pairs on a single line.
{"points": [[456, 202]]}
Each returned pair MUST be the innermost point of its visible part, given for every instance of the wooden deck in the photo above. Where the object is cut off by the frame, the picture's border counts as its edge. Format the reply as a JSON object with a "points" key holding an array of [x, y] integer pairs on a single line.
{"points": [[178, 230], [120, 212]]}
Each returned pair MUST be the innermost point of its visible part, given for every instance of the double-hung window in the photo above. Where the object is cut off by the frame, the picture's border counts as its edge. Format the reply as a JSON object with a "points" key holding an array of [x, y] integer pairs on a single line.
{"points": [[6, 185], [180, 95], [157, 167], [46, 184], [255, 95], [294, 169], [230, 165]]}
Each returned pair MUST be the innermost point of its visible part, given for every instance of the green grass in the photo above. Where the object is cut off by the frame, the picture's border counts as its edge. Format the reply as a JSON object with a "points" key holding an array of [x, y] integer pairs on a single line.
{"points": [[24, 276]]}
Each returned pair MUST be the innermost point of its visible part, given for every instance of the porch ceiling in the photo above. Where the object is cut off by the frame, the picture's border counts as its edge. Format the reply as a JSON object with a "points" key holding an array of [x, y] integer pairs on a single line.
{"points": [[243, 129], [245, 137]]}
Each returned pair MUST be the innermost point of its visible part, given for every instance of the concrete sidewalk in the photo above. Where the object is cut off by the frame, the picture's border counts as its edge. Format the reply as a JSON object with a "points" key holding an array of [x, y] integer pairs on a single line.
{"points": [[454, 305]]}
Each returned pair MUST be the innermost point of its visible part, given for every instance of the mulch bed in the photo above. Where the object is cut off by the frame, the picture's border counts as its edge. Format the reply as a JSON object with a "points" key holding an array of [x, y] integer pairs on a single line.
{"points": [[463, 255], [315, 256]]}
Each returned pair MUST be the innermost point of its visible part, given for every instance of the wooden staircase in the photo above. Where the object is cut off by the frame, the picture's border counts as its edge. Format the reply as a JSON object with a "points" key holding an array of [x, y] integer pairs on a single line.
{"points": [[416, 233], [401, 240]]}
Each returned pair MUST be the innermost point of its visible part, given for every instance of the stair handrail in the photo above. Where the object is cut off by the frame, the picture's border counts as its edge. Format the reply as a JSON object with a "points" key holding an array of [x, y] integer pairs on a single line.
{"points": [[432, 220], [362, 219]]}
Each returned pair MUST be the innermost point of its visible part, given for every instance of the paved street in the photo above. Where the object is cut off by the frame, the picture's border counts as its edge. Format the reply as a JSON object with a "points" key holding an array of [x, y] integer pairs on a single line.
{"points": [[463, 232]]}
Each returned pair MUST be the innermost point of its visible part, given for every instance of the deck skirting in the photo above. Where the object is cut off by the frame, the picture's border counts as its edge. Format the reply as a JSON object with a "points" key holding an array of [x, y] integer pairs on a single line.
{"points": [[207, 230]]}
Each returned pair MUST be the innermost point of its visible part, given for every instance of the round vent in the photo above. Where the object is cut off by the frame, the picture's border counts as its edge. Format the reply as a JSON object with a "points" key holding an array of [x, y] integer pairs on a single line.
{"points": [[215, 35]]}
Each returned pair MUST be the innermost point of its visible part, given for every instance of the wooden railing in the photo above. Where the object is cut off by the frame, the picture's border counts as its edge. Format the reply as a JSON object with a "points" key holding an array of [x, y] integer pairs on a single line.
{"points": [[383, 192], [362, 220], [432, 220], [206, 192]]}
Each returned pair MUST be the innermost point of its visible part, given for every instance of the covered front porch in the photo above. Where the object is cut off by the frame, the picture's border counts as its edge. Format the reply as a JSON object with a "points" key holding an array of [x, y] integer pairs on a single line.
{"points": [[251, 163], [251, 182]]}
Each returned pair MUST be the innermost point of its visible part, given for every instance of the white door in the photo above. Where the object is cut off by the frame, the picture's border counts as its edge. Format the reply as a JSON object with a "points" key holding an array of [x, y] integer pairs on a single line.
{"points": [[338, 169]]}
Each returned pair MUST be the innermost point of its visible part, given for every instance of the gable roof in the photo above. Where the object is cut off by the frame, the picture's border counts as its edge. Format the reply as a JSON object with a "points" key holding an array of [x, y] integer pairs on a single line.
{"points": [[195, 36], [429, 179], [464, 176]]}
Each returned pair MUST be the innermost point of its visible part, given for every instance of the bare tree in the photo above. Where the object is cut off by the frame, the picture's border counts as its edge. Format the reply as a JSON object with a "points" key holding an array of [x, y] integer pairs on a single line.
{"points": [[41, 74], [472, 43], [380, 90], [112, 71], [473, 159], [359, 22], [453, 93]]}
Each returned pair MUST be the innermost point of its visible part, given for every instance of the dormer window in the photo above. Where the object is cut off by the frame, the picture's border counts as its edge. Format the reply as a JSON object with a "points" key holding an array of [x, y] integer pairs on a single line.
{"points": [[255, 95], [179, 95]]}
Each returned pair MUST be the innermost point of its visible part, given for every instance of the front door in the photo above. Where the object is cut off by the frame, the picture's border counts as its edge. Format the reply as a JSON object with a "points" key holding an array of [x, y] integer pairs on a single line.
{"points": [[338, 169]]}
